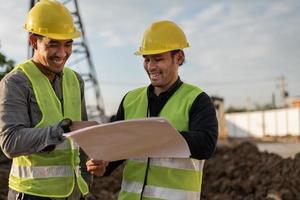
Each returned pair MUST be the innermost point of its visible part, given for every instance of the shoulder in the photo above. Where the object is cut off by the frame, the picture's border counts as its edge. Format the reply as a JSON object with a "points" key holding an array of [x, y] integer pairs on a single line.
{"points": [[191, 87], [188, 92], [78, 76], [201, 97], [140, 89], [15, 77], [136, 92], [203, 101], [15, 84], [135, 95]]}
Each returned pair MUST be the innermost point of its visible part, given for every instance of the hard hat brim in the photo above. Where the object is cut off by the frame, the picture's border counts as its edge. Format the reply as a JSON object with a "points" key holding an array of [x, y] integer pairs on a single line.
{"points": [[77, 34], [54, 36], [152, 52]]}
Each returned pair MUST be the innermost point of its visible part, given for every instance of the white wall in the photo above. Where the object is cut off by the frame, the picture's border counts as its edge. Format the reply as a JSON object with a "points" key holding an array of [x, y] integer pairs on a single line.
{"points": [[278, 122]]}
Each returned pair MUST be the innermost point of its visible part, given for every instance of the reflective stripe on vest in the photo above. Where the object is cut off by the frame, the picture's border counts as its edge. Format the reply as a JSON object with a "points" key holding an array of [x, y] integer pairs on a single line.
{"points": [[172, 177], [179, 163], [133, 188], [43, 172], [50, 174], [167, 178]]}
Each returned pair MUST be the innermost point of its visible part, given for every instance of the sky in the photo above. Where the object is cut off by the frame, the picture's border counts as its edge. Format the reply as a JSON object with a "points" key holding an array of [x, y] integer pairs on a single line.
{"points": [[239, 49]]}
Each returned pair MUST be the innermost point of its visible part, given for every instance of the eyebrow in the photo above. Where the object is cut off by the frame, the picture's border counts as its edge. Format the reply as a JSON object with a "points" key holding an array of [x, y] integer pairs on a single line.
{"points": [[155, 55], [56, 41]]}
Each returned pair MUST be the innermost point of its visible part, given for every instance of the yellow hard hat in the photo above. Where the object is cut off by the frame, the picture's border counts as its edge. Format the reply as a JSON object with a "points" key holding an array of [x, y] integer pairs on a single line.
{"points": [[52, 19], [162, 36]]}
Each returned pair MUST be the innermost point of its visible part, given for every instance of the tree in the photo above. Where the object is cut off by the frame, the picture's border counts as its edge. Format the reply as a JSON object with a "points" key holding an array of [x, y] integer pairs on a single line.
{"points": [[6, 65]]}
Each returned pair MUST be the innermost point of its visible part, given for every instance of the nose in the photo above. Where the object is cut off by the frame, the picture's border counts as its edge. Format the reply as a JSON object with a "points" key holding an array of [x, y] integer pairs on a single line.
{"points": [[61, 51], [151, 64]]}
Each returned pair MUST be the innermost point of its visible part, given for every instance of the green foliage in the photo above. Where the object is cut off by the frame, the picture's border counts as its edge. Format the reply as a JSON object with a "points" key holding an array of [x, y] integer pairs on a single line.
{"points": [[6, 65]]}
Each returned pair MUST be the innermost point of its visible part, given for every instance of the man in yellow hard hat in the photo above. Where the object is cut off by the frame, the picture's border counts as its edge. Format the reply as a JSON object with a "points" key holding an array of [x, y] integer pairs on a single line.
{"points": [[40, 100], [187, 107]]}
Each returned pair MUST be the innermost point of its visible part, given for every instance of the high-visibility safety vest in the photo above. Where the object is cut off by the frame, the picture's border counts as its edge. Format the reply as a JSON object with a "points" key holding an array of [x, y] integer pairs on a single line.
{"points": [[162, 178], [51, 174]]}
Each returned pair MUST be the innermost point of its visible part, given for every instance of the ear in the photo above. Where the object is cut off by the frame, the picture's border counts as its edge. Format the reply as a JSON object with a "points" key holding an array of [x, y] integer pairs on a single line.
{"points": [[180, 57], [33, 41]]}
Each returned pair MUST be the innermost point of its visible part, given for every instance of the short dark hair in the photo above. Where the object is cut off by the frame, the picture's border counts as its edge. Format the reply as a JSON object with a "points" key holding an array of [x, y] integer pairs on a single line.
{"points": [[173, 52], [37, 35]]}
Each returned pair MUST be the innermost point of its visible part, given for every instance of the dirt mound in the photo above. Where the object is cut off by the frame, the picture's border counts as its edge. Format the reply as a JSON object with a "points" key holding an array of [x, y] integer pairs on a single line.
{"points": [[242, 172], [237, 172], [4, 170]]}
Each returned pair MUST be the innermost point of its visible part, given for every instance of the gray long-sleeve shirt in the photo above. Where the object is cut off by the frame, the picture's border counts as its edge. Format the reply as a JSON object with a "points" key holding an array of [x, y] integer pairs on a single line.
{"points": [[19, 113]]}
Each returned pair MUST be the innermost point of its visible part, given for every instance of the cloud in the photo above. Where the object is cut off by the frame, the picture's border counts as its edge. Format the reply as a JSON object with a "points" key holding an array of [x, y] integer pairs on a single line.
{"points": [[121, 23], [173, 12], [12, 34], [243, 42], [231, 41], [229, 38]]}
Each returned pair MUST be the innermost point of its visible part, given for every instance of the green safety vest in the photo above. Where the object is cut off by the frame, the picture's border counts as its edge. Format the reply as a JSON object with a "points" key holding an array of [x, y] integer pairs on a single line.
{"points": [[167, 178], [51, 174]]}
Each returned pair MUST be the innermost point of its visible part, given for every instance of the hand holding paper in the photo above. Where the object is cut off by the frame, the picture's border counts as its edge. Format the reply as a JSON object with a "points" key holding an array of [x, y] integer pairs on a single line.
{"points": [[96, 167]]}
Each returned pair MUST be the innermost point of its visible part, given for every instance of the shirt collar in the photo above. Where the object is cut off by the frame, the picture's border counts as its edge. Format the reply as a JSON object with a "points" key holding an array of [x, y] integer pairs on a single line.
{"points": [[167, 93]]}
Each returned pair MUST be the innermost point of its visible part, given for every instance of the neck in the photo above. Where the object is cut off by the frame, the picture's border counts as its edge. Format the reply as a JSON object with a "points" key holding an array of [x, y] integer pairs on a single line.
{"points": [[49, 74], [159, 90]]}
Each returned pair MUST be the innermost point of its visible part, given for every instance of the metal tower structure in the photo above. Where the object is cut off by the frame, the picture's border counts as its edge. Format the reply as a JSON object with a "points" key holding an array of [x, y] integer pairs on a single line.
{"points": [[81, 61]]}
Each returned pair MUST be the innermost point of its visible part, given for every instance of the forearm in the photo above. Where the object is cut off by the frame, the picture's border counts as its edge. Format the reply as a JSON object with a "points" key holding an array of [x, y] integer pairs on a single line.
{"points": [[17, 141], [202, 143], [202, 134]]}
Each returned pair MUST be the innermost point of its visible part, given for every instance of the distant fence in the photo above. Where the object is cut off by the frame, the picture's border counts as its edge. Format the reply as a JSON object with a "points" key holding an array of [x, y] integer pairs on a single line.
{"points": [[277, 122]]}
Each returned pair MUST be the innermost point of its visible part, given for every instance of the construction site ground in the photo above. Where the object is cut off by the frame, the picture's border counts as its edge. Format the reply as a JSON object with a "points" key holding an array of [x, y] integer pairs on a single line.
{"points": [[239, 170]]}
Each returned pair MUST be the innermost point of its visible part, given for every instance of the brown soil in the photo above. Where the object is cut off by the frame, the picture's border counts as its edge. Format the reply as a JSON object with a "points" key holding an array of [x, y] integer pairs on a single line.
{"points": [[242, 172], [238, 172], [4, 169]]}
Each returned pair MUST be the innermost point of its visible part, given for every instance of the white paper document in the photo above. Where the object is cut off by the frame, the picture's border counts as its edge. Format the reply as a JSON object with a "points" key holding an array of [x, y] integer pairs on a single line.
{"points": [[148, 137]]}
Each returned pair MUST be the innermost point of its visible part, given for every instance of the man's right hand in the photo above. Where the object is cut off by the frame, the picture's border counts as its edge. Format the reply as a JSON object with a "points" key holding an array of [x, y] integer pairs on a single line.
{"points": [[96, 167]]}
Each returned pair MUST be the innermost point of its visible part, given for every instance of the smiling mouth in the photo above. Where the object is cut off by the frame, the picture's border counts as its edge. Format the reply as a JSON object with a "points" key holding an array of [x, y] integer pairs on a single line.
{"points": [[154, 75], [58, 61]]}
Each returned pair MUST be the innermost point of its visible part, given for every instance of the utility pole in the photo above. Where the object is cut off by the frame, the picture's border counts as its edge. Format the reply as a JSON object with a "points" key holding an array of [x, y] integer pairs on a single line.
{"points": [[283, 92], [81, 55]]}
